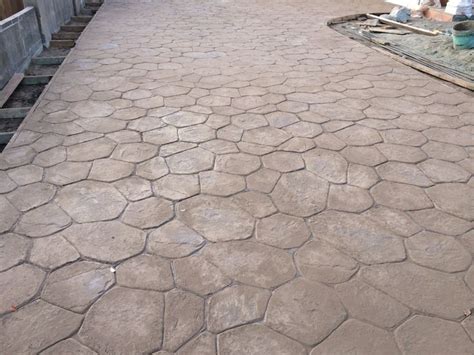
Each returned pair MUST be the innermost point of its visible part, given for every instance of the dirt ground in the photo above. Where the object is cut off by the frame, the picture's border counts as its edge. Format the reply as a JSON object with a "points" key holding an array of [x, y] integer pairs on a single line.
{"points": [[438, 49], [24, 96]]}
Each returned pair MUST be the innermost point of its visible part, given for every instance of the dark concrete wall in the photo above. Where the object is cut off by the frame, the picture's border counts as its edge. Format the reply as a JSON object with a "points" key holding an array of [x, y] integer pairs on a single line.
{"points": [[20, 40], [78, 5], [51, 14]]}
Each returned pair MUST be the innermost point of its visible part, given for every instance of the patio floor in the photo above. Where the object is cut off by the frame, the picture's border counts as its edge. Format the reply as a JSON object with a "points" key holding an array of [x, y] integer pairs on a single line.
{"points": [[233, 177]]}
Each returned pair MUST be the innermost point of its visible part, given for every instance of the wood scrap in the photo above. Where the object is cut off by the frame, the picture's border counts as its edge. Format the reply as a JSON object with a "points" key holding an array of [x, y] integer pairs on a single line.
{"points": [[10, 88], [372, 22], [405, 26], [388, 30]]}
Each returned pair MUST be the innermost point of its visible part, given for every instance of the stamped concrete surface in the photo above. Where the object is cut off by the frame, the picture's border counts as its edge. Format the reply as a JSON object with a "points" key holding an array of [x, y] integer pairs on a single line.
{"points": [[233, 177]]}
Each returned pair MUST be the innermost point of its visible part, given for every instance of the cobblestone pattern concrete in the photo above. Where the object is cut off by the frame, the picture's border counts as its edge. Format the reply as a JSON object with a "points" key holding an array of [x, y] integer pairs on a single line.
{"points": [[233, 177]]}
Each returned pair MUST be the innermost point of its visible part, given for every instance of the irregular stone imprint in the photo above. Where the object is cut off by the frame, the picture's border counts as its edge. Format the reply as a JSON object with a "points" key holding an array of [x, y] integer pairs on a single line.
{"points": [[232, 177], [358, 236], [305, 311], [141, 310], [251, 263], [216, 219]]}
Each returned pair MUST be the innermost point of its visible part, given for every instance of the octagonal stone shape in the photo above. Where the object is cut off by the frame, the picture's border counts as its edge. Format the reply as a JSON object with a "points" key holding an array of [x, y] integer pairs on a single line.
{"points": [[300, 194], [134, 152], [90, 201], [9, 214], [89, 109], [13, 249], [78, 285], [438, 251], [326, 164], [305, 311], [428, 335], [319, 261], [353, 336], [146, 272], [270, 136], [148, 213], [107, 241], [366, 303], [216, 219], [184, 317], [52, 252], [247, 339], [174, 240], [196, 274], [236, 305], [190, 161], [422, 289], [453, 198], [18, 285], [35, 327], [42, 221], [142, 311], [358, 236], [68, 346], [282, 231], [252, 263]]}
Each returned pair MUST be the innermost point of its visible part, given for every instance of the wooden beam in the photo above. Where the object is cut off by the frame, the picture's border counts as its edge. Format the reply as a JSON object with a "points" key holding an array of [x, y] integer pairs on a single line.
{"points": [[82, 18], [10, 88], [73, 28], [62, 43], [47, 60], [17, 112], [407, 27], [66, 35], [387, 30], [36, 79]]}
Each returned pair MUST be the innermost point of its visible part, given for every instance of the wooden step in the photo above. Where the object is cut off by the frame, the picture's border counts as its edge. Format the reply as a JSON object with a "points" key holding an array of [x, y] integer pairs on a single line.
{"points": [[47, 60], [62, 43], [12, 84], [81, 18], [96, 3], [93, 6], [88, 12], [66, 35], [36, 79], [73, 28], [17, 112]]}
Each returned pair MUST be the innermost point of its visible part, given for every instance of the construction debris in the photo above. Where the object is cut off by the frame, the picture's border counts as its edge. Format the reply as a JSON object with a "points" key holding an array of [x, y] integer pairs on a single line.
{"points": [[399, 14], [405, 26], [424, 44]]}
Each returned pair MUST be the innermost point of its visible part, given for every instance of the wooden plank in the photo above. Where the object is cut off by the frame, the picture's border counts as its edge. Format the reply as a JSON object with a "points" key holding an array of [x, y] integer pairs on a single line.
{"points": [[73, 28], [36, 79], [47, 60], [62, 43], [10, 88], [10, 7], [81, 18], [66, 35], [407, 27], [17, 112], [342, 19], [387, 30]]}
